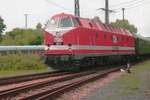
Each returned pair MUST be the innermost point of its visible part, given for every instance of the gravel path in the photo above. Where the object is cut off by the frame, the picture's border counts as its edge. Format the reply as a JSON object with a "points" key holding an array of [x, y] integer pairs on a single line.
{"points": [[112, 92]]}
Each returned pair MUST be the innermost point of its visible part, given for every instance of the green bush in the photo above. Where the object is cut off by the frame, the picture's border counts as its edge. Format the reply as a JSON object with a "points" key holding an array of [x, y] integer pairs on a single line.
{"points": [[21, 61], [23, 37]]}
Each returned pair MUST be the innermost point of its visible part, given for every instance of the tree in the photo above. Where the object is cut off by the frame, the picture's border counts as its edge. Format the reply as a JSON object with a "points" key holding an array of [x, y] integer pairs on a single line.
{"points": [[97, 19], [126, 25], [22, 37], [15, 32], [2, 26], [39, 27]]}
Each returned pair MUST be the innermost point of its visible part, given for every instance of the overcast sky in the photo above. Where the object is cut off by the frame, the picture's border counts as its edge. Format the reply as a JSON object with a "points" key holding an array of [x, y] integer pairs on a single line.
{"points": [[12, 11]]}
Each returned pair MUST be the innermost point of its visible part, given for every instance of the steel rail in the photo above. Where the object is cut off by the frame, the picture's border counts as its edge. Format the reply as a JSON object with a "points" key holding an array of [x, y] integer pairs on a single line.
{"points": [[15, 91], [48, 94], [17, 79]]}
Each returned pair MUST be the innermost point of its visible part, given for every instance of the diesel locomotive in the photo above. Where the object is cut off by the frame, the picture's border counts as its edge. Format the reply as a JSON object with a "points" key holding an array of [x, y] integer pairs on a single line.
{"points": [[74, 42]]}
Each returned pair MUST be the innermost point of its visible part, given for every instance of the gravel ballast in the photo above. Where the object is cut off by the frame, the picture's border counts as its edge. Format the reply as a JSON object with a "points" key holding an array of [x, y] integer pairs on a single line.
{"points": [[134, 86]]}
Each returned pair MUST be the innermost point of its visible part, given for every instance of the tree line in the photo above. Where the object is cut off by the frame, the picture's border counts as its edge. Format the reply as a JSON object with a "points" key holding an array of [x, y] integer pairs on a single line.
{"points": [[20, 36]]}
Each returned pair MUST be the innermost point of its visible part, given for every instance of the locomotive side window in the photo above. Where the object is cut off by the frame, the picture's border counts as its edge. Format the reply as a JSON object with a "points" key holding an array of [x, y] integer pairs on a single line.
{"points": [[105, 37], [66, 22], [75, 22], [111, 37], [77, 19], [118, 38], [114, 39]]}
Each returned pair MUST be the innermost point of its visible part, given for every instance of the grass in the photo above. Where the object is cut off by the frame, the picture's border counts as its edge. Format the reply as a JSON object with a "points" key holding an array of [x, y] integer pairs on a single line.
{"points": [[141, 67], [21, 64], [21, 61], [20, 72], [129, 83]]}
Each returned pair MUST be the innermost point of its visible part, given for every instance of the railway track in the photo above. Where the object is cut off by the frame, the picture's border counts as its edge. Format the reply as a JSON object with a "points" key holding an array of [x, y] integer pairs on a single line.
{"points": [[47, 90], [17, 79]]}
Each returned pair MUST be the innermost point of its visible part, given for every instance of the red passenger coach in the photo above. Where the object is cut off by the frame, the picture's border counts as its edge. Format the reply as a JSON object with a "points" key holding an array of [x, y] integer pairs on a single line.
{"points": [[78, 41]]}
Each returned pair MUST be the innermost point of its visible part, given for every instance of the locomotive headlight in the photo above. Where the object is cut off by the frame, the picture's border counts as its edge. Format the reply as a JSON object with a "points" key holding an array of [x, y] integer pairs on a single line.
{"points": [[46, 48]]}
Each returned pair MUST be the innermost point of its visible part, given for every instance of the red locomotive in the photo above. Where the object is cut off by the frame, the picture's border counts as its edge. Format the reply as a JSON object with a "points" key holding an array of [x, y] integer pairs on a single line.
{"points": [[73, 41]]}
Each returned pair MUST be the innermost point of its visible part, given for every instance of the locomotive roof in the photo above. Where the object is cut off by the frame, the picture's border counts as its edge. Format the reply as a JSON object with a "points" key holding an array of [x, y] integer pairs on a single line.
{"points": [[63, 14], [99, 25]]}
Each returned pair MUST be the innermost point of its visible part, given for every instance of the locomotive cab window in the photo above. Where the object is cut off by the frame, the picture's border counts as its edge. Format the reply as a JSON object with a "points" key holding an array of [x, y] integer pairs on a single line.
{"points": [[66, 22], [53, 23]]}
